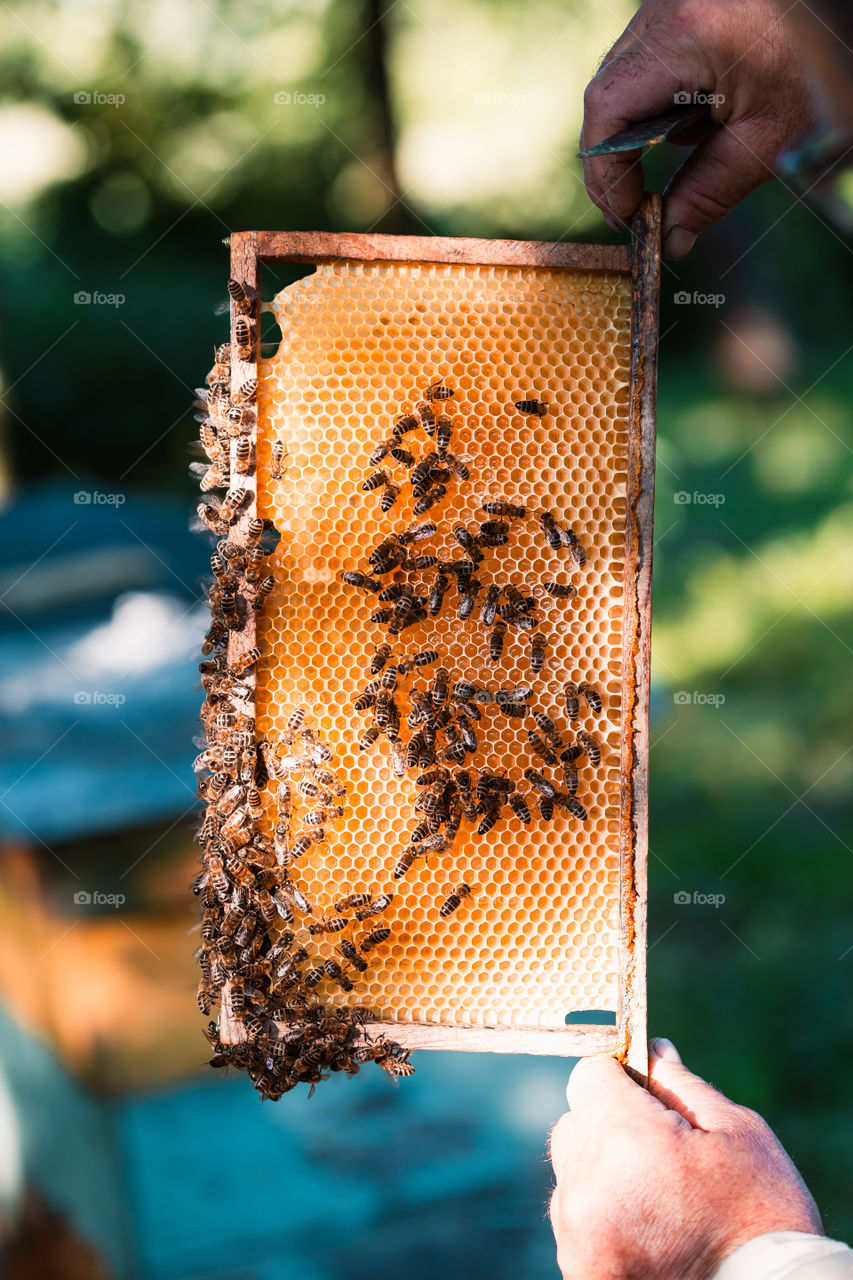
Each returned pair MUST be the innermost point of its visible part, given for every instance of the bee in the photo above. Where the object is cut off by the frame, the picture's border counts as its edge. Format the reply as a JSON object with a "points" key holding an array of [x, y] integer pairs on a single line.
{"points": [[416, 533], [560, 590], [570, 754], [437, 593], [403, 864], [374, 480], [573, 806], [570, 539], [245, 662], [242, 455], [352, 901], [551, 531], [314, 976], [440, 687], [494, 533], [254, 529], [590, 746], [519, 806], [255, 558], [334, 971], [209, 516], [419, 563], [243, 338], [591, 696], [546, 808], [490, 606], [404, 425], [254, 1027], [532, 407], [262, 590], [381, 451], [537, 652], [437, 391], [238, 998], [515, 710], [354, 579], [426, 415], [369, 737], [507, 510], [489, 819], [295, 720], [374, 939], [233, 499], [381, 654], [443, 433], [454, 900], [469, 590], [297, 897], [542, 784], [334, 925], [546, 725], [376, 907], [239, 296], [248, 390], [570, 693], [570, 777], [496, 641], [466, 732], [350, 952], [434, 495], [277, 461]]}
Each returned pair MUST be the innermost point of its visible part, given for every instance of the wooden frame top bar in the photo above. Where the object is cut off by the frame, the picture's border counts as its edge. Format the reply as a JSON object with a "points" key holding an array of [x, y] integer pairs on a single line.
{"points": [[323, 246]]}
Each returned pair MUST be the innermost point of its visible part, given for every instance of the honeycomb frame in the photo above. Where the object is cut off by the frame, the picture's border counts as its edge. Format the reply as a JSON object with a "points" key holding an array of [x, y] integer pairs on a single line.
{"points": [[249, 250]]}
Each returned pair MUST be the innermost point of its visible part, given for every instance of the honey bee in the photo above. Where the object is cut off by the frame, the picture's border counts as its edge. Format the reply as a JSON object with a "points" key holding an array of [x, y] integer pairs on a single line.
{"points": [[254, 529], [546, 725], [334, 971], [374, 481], [468, 591], [590, 746], [551, 531], [570, 539], [369, 737], [381, 451], [254, 563], [374, 939], [519, 806], [262, 590], [376, 907], [248, 390], [494, 533], [333, 925], [354, 579], [312, 977], [233, 499], [352, 901], [243, 338], [591, 696], [245, 662], [570, 777], [209, 516], [570, 692], [426, 416], [541, 783], [434, 495], [443, 434], [532, 407], [404, 425], [403, 456], [403, 864], [496, 640], [489, 608], [560, 590], [349, 951], [506, 510], [381, 654], [437, 391], [573, 806], [238, 998], [437, 593], [546, 808], [389, 496], [277, 461], [240, 297], [254, 1027], [295, 720], [417, 532], [538, 646], [454, 900], [242, 455]]}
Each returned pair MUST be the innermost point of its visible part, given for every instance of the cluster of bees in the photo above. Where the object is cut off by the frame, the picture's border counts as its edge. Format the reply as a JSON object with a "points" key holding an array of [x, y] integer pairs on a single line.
{"points": [[442, 715], [264, 950]]}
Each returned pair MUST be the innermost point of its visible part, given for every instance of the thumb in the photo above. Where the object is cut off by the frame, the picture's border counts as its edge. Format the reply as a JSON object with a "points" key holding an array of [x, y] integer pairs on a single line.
{"points": [[701, 1105], [733, 161], [600, 1091]]}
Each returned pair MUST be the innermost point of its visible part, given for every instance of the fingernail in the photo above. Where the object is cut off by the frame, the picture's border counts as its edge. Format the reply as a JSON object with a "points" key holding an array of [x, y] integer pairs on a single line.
{"points": [[678, 242], [664, 1049]]}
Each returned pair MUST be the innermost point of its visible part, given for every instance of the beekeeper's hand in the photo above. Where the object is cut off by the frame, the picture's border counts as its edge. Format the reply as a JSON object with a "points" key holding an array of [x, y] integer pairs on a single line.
{"points": [[737, 55], [666, 1183]]}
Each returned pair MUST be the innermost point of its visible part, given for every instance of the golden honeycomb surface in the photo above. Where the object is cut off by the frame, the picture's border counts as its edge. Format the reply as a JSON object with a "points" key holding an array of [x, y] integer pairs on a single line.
{"points": [[537, 938]]}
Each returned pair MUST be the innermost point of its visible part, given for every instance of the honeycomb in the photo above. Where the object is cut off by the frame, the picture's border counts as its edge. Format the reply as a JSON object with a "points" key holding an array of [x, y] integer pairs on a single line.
{"points": [[537, 937]]}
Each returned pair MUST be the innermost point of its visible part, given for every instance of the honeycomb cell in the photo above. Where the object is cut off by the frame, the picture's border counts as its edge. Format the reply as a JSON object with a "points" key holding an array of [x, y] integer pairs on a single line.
{"points": [[536, 939]]}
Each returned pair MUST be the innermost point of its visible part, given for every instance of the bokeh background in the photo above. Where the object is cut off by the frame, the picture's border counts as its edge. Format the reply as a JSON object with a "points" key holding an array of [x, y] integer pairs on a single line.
{"points": [[133, 138]]}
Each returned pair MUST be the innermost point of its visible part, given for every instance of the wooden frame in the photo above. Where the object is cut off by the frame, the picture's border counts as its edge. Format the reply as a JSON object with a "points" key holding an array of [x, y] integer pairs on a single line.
{"points": [[249, 249]]}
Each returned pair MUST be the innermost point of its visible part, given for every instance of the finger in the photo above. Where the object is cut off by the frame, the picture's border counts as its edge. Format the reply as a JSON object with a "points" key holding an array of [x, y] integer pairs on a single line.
{"points": [[701, 1105], [601, 1092], [735, 160], [563, 1141], [636, 84], [664, 1049]]}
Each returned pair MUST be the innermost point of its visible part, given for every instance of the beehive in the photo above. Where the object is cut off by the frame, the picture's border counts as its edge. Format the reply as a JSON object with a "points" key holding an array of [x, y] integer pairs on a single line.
{"points": [[550, 926]]}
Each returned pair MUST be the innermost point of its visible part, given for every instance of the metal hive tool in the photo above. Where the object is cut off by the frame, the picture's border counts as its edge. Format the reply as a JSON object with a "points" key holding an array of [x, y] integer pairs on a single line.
{"points": [[555, 921]]}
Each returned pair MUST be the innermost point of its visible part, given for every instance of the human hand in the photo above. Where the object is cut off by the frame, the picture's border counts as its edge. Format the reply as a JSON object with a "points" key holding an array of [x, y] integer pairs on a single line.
{"points": [[665, 1183], [740, 56]]}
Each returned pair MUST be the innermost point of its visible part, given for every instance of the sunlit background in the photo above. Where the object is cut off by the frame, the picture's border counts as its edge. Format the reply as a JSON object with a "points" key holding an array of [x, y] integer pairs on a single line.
{"points": [[133, 138]]}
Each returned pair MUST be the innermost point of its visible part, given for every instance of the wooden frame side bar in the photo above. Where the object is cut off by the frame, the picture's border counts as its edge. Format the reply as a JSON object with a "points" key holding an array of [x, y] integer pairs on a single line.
{"points": [[323, 246], [632, 1046]]}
